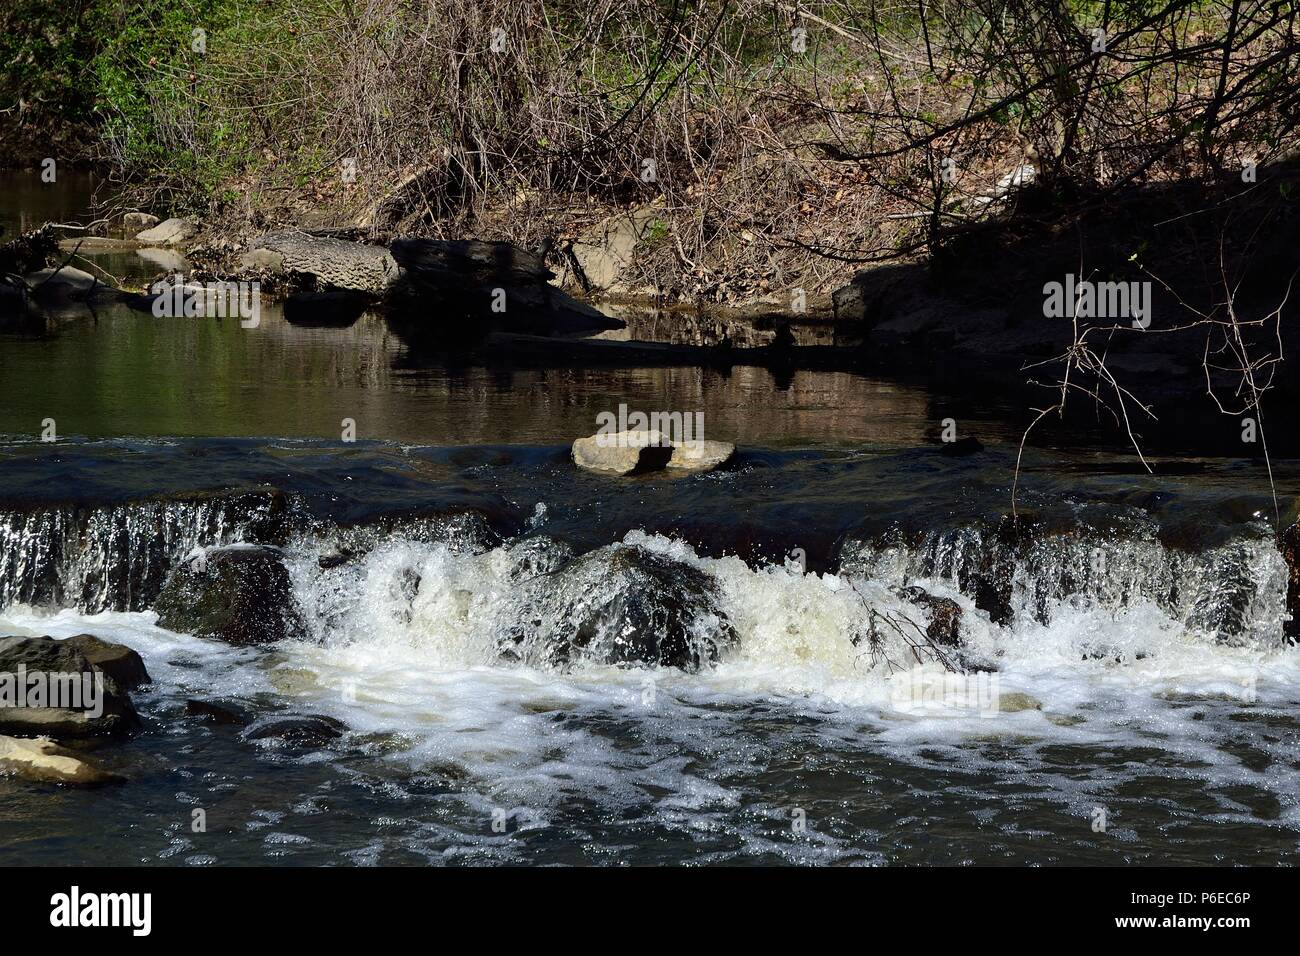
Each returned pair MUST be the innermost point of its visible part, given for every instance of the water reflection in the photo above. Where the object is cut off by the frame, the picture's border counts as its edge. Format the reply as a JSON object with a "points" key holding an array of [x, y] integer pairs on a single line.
{"points": [[115, 372]]}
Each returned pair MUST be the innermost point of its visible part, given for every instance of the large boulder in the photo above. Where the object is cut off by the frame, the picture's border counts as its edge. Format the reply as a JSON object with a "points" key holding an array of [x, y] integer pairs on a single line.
{"points": [[50, 687], [623, 605], [116, 660], [240, 594]]}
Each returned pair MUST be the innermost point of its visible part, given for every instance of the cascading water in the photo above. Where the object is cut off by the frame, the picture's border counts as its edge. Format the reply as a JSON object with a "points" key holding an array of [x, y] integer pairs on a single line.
{"points": [[117, 557], [571, 687]]}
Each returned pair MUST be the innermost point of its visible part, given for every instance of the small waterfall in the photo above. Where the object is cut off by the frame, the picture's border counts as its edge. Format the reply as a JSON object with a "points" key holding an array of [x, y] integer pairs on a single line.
{"points": [[117, 557], [1235, 591]]}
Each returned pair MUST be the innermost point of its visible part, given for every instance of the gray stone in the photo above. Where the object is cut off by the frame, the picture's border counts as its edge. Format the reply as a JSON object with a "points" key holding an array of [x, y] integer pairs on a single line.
{"points": [[623, 453], [605, 251], [137, 222], [170, 232], [262, 260], [66, 283], [702, 455]]}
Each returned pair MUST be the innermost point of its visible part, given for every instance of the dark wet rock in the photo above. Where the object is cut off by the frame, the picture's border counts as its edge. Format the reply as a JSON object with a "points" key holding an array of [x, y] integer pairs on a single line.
{"points": [[308, 730], [536, 555], [116, 660], [336, 558], [239, 594], [944, 615], [215, 713], [403, 588], [624, 605], [65, 284], [1289, 544], [456, 292], [991, 581], [961, 447], [91, 703]]}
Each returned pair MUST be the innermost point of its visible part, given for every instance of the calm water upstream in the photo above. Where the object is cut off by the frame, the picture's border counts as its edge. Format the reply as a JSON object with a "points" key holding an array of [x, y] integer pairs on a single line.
{"points": [[1133, 637]]}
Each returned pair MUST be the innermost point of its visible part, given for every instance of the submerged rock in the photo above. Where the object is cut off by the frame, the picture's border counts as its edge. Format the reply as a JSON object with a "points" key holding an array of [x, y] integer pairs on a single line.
{"points": [[43, 761], [312, 730], [240, 594], [624, 605], [214, 712], [961, 447], [1015, 702], [49, 687], [536, 555]]}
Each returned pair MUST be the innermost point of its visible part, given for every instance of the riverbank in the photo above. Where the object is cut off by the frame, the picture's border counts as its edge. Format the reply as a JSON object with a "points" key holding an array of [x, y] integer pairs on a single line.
{"points": [[979, 312]]}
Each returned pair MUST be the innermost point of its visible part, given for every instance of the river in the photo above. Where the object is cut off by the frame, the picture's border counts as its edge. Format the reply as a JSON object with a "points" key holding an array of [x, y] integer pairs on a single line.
{"points": [[1128, 695]]}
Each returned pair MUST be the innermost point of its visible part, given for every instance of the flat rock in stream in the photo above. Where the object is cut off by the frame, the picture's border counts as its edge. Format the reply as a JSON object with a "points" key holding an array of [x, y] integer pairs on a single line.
{"points": [[636, 452], [624, 453], [43, 761]]}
